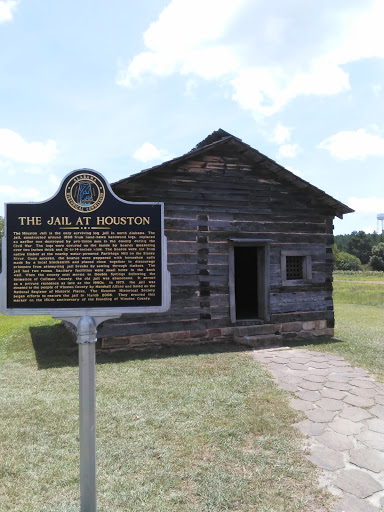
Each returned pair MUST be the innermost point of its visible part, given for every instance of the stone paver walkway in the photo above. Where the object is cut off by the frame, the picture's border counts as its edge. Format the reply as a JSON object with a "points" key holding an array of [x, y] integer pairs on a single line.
{"points": [[344, 407]]}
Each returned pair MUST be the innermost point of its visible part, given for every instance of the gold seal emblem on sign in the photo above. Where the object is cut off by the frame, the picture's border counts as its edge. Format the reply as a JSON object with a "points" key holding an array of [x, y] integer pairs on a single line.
{"points": [[85, 192]]}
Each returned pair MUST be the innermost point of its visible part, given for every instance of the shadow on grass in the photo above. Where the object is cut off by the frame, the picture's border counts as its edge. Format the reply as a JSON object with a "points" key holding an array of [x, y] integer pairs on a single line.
{"points": [[170, 352], [209, 348], [56, 347], [314, 342]]}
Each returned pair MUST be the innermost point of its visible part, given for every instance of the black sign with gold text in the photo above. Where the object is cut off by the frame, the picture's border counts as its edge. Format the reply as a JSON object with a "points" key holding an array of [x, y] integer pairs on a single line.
{"points": [[84, 248]]}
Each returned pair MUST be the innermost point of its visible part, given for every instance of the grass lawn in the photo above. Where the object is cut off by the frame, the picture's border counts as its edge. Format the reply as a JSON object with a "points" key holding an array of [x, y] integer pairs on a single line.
{"points": [[176, 432], [359, 332], [359, 292], [361, 275]]}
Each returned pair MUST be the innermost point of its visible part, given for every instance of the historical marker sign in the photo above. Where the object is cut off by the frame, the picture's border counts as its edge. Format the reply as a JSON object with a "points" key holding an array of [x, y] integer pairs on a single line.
{"points": [[84, 249], [85, 256]]}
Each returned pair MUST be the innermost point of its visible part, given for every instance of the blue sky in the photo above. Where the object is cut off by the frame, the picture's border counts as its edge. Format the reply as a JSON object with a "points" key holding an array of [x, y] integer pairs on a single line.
{"points": [[124, 85]]}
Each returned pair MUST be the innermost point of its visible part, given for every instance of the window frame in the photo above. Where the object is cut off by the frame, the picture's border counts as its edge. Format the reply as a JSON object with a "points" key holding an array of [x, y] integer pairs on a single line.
{"points": [[307, 268]]}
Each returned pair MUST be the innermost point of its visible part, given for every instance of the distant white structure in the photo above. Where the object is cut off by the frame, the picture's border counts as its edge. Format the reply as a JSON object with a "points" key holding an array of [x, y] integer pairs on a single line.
{"points": [[380, 221]]}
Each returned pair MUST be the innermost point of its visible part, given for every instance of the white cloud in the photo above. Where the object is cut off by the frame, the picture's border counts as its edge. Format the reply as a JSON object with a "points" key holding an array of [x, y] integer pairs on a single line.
{"points": [[148, 152], [367, 205], [14, 147], [183, 40], [295, 171], [54, 180], [377, 89], [6, 9], [33, 170], [367, 209], [348, 145], [288, 150], [19, 194], [281, 134], [297, 48]]}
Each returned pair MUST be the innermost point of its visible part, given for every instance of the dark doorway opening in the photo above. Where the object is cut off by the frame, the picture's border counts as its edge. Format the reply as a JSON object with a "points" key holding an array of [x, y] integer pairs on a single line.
{"points": [[246, 282]]}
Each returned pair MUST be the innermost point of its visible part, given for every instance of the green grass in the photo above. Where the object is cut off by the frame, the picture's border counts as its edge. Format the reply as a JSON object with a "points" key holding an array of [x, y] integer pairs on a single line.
{"points": [[359, 314], [186, 432], [177, 431], [358, 337], [361, 275], [363, 293]]}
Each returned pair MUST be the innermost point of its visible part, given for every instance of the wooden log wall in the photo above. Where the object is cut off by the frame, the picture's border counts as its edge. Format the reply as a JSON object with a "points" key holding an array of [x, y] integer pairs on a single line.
{"points": [[214, 198]]}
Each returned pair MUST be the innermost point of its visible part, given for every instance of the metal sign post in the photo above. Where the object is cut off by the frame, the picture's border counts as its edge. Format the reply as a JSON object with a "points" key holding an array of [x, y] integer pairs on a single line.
{"points": [[86, 338], [96, 258]]}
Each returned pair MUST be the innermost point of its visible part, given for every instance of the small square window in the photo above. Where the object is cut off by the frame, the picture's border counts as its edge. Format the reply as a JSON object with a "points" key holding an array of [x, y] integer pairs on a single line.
{"points": [[294, 267]]}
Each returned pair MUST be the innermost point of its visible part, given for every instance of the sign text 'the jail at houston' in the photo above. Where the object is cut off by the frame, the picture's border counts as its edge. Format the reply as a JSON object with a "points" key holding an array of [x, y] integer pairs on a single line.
{"points": [[84, 248]]}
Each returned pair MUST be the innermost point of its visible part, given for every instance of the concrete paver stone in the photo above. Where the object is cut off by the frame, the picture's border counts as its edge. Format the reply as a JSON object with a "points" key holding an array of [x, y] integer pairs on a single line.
{"points": [[339, 363], [320, 415], [296, 366], [376, 424], [276, 367], [315, 378], [378, 410], [351, 504], [311, 396], [344, 406], [318, 365], [371, 439], [329, 404], [368, 459], [357, 482], [312, 386], [341, 386], [300, 405], [360, 383], [333, 393], [320, 371], [287, 386], [346, 427], [363, 392], [300, 360], [310, 428], [358, 401], [281, 362], [336, 441], [334, 357], [326, 458], [296, 373], [337, 377], [355, 414]]}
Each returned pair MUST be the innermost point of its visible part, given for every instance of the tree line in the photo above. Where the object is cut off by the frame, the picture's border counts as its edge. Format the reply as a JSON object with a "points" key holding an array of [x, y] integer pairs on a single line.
{"points": [[359, 250]]}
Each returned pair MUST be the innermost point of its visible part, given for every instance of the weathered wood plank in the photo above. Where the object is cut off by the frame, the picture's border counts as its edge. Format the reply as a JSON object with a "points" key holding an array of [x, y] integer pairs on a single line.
{"points": [[194, 258], [303, 316], [180, 269]]}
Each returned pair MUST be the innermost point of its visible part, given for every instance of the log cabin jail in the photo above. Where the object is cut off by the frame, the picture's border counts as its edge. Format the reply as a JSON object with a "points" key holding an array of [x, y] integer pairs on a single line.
{"points": [[249, 250]]}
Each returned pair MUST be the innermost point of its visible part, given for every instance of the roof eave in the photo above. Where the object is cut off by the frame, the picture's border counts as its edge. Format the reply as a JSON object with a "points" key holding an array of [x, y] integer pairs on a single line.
{"points": [[338, 208]]}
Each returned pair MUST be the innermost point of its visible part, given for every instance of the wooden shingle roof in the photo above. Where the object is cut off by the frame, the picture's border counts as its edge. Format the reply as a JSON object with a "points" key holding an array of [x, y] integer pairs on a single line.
{"points": [[221, 138]]}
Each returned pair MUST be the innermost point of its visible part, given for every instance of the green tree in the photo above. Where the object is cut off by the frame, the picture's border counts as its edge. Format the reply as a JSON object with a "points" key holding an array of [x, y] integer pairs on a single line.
{"points": [[360, 245], [342, 242], [345, 261], [377, 259]]}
